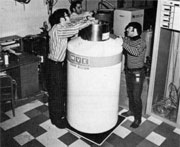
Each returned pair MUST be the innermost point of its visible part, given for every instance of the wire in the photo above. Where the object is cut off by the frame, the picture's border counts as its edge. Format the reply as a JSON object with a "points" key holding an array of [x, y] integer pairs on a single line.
{"points": [[23, 1]]}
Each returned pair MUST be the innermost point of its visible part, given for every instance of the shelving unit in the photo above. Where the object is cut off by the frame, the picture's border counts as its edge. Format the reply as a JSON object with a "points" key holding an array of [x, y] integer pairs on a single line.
{"points": [[164, 89]]}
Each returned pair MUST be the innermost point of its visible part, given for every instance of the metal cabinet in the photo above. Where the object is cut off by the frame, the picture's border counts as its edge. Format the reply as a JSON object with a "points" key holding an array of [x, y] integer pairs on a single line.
{"points": [[164, 89]]}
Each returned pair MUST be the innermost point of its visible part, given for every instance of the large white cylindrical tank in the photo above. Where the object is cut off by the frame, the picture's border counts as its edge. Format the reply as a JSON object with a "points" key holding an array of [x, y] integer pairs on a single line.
{"points": [[94, 70]]}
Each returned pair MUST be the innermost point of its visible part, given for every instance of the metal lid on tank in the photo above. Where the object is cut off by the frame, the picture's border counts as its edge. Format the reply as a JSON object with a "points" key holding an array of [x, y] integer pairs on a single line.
{"points": [[96, 32]]}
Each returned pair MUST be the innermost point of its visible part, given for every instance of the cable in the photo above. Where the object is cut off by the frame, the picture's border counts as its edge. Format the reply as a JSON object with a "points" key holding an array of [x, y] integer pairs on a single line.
{"points": [[23, 1]]}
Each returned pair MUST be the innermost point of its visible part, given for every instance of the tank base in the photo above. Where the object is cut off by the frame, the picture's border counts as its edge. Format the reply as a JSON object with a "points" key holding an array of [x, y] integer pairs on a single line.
{"points": [[98, 138]]}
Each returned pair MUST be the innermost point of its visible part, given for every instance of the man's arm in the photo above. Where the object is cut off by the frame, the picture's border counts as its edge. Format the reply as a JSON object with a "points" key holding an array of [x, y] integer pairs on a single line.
{"points": [[134, 49], [72, 29]]}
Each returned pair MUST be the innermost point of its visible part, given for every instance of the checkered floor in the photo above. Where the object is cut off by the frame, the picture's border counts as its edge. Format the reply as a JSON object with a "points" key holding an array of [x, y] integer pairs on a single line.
{"points": [[31, 127]]}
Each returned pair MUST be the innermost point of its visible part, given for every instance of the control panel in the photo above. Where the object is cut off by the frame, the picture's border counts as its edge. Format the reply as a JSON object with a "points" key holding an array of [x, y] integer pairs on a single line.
{"points": [[171, 14]]}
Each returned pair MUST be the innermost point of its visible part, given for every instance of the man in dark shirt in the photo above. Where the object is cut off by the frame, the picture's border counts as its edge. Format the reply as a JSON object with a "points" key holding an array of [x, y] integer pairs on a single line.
{"points": [[134, 48]]}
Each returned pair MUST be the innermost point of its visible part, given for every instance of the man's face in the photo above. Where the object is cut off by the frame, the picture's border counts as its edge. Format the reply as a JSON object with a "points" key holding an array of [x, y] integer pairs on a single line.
{"points": [[131, 32], [78, 9], [64, 20]]}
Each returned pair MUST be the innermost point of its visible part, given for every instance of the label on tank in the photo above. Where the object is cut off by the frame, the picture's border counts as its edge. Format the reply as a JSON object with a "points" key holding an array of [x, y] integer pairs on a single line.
{"points": [[85, 62]]}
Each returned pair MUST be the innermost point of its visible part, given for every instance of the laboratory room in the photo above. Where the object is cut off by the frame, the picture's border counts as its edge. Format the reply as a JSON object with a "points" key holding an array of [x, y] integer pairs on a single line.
{"points": [[89, 73]]}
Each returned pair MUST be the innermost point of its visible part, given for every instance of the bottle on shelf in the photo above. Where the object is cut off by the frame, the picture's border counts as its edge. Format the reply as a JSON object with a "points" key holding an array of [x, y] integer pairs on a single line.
{"points": [[6, 59]]}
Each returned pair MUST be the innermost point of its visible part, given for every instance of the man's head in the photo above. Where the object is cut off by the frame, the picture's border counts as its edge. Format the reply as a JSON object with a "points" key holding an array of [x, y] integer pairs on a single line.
{"points": [[133, 29], [58, 16], [76, 7]]}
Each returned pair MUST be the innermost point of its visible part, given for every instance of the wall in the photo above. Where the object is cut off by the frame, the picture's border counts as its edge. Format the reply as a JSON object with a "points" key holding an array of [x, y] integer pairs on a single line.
{"points": [[90, 5], [93, 4], [22, 20]]}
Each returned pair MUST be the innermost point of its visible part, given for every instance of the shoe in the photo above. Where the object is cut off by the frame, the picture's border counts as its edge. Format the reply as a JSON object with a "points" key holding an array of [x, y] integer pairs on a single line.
{"points": [[128, 113], [60, 123], [136, 123]]}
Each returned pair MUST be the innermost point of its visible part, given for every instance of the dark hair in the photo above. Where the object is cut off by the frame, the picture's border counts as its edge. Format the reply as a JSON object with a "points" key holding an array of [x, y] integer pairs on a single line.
{"points": [[54, 18], [135, 25], [74, 4]]}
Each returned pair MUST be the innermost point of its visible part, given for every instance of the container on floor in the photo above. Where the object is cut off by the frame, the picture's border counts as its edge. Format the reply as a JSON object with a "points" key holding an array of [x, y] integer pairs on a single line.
{"points": [[94, 70]]}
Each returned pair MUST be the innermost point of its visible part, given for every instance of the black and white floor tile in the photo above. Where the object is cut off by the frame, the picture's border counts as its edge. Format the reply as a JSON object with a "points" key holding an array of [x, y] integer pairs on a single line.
{"points": [[31, 127]]}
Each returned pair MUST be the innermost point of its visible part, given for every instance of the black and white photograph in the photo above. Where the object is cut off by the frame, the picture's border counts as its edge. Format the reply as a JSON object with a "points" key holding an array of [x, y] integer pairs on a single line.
{"points": [[89, 73]]}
